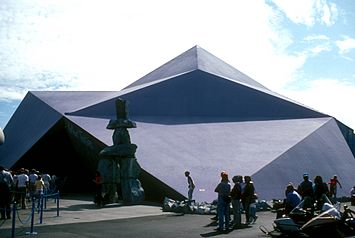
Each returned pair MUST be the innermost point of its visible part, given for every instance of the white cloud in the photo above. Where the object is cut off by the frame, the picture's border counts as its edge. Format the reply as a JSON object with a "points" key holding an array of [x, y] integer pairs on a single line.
{"points": [[329, 96], [316, 37], [329, 13], [320, 48], [300, 12], [345, 45], [308, 12], [87, 45], [91, 45]]}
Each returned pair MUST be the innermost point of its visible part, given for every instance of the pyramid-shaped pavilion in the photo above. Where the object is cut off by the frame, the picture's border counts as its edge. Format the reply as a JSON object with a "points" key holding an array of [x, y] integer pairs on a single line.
{"points": [[193, 113]]}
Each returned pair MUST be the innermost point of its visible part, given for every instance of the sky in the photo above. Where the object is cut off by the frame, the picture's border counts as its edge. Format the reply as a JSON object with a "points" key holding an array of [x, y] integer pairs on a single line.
{"points": [[304, 49]]}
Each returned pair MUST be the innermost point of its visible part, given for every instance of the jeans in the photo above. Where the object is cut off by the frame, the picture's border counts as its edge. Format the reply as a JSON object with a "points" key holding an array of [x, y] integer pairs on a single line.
{"points": [[189, 193], [223, 210], [237, 215]]}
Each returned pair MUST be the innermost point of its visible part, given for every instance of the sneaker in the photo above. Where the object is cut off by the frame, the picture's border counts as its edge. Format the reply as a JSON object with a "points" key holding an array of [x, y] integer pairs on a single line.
{"points": [[218, 229], [255, 218]]}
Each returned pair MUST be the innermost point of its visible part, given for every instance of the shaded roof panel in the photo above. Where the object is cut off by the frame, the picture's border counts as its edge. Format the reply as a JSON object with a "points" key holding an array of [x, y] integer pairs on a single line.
{"points": [[203, 95], [193, 59]]}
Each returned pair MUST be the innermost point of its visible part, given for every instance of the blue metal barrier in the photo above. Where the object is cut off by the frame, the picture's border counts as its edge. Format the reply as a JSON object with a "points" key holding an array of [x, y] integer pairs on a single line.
{"points": [[41, 205], [31, 232], [13, 219]]}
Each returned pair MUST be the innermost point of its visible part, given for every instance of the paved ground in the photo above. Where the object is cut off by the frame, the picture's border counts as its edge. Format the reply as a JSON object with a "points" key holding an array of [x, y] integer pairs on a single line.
{"points": [[79, 217]]}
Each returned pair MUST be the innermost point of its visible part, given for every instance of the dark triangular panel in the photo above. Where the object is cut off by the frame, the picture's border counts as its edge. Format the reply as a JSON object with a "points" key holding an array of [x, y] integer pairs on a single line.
{"points": [[31, 120], [213, 65], [201, 97]]}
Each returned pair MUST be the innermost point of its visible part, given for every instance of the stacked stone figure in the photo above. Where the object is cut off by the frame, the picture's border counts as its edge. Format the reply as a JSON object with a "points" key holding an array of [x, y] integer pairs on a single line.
{"points": [[117, 164]]}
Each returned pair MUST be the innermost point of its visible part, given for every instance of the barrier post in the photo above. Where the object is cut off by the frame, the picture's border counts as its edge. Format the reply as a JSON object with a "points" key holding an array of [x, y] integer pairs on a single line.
{"points": [[45, 201], [13, 219], [41, 207], [58, 204], [32, 218]]}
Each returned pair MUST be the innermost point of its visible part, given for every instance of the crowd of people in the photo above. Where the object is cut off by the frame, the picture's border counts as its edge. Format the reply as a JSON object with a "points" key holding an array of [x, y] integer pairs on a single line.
{"points": [[242, 197], [22, 186], [313, 193]]}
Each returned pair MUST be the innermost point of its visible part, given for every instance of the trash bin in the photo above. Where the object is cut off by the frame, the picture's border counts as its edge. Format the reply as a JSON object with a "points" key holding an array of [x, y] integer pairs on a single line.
{"points": [[353, 200]]}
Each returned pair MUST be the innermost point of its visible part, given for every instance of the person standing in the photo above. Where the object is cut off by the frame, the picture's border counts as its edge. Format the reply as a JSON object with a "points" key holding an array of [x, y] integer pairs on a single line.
{"points": [[352, 196], [352, 191], [333, 187], [305, 189], [223, 202], [248, 197], [22, 184], [32, 180], [321, 191], [6, 183], [98, 199], [47, 181], [39, 188], [191, 185], [236, 195]]}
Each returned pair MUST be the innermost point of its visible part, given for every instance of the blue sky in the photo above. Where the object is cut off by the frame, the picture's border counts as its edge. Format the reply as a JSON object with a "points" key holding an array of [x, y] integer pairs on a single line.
{"points": [[303, 49]]}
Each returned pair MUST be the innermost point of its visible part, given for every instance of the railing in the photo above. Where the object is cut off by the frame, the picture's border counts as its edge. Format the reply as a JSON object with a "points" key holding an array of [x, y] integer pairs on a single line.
{"points": [[38, 205]]}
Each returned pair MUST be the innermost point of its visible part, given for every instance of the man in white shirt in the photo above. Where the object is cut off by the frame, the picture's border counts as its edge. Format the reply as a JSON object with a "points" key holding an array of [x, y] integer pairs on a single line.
{"points": [[22, 185], [47, 181], [32, 180]]}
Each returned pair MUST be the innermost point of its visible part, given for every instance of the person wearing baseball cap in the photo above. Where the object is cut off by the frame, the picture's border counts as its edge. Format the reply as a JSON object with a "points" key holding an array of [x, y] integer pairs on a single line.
{"points": [[223, 204], [305, 189]]}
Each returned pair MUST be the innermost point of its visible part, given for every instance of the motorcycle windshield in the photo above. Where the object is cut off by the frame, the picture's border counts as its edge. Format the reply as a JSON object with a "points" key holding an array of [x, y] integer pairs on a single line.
{"points": [[326, 217]]}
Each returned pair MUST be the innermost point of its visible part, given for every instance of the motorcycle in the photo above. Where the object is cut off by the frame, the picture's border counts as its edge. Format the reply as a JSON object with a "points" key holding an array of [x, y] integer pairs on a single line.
{"points": [[328, 222], [290, 225], [331, 223]]}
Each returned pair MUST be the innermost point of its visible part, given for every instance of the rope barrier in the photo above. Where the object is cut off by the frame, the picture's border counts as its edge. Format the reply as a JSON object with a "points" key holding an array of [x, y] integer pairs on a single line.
{"points": [[37, 205], [23, 221]]}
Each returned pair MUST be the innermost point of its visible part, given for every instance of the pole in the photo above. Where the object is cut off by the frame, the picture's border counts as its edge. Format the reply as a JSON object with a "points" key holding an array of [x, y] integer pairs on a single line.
{"points": [[41, 207], [13, 220], [58, 204], [32, 218]]}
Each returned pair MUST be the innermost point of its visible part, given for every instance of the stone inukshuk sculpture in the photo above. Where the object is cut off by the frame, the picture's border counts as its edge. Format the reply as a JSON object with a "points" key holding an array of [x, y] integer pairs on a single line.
{"points": [[118, 164]]}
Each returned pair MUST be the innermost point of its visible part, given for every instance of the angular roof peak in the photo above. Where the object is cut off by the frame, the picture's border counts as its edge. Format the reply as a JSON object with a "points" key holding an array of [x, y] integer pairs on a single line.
{"points": [[196, 58]]}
